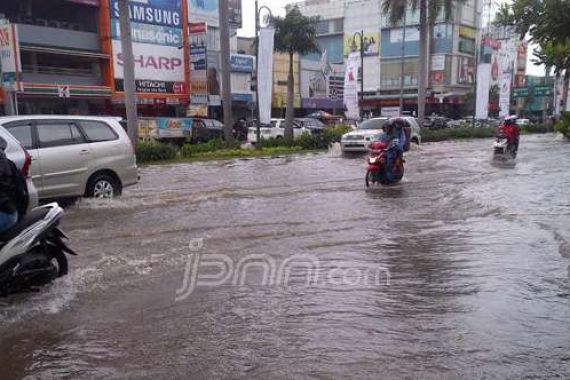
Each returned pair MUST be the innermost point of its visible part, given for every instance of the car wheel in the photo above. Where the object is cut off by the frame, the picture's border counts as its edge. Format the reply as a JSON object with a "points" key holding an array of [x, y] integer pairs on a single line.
{"points": [[103, 187], [416, 141]]}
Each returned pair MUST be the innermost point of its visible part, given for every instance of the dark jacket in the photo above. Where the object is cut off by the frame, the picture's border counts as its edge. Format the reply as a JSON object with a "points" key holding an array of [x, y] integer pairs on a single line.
{"points": [[13, 189]]}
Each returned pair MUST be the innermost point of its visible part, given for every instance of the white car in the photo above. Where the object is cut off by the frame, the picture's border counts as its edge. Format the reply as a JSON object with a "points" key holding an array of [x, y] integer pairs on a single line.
{"points": [[275, 130], [75, 156], [369, 130]]}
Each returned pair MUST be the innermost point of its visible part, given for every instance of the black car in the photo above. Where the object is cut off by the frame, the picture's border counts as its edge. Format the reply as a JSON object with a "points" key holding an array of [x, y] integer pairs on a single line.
{"points": [[204, 130]]}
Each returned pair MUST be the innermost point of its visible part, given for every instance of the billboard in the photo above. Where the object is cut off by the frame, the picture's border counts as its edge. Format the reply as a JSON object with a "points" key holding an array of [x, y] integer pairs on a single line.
{"points": [[505, 95], [204, 11], [157, 29], [198, 63], [351, 86], [265, 74], [10, 63], [371, 43], [466, 68], [235, 10]]}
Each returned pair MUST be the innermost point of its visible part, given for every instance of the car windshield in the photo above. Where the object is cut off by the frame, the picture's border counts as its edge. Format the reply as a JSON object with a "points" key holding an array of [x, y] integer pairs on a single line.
{"points": [[373, 124]]}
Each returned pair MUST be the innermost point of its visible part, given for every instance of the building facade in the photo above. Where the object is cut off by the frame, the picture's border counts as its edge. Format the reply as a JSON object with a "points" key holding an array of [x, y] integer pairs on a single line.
{"points": [[453, 44]]}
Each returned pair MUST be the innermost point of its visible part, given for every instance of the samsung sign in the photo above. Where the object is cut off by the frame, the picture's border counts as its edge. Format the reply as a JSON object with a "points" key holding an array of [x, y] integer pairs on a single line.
{"points": [[242, 63]]}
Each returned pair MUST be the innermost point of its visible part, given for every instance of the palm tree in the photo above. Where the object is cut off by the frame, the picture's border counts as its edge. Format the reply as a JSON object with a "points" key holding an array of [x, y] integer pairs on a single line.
{"points": [[294, 34], [429, 11]]}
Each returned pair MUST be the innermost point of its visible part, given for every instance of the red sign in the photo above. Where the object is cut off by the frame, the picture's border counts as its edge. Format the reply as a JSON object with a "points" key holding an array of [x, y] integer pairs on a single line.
{"points": [[198, 27], [94, 3]]}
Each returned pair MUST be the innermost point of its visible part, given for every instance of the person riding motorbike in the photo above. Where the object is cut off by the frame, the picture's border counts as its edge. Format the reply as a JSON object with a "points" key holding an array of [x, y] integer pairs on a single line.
{"points": [[14, 196], [510, 130], [395, 138]]}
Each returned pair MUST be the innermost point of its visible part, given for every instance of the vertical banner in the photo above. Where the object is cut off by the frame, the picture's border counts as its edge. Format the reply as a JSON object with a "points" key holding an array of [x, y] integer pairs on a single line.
{"points": [[265, 74], [505, 95], [351, 86], [198, 65], [483, 90], [10, 63], [157, 32]]}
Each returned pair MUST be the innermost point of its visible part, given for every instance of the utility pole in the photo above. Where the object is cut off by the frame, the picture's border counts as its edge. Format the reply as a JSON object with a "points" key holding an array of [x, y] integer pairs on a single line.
{"points": [[403, 63], [128, 72], [226, 71], [257, 110], [361, 35]]}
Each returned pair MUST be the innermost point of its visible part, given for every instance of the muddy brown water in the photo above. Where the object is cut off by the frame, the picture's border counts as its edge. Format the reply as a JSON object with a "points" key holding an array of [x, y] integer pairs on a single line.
{"points": [[473, 262]]}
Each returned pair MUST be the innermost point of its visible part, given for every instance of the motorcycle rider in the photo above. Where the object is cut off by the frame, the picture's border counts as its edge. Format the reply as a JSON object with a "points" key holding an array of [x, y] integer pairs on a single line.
{"points": [[13, 191], [395, 137], [510, 130]]}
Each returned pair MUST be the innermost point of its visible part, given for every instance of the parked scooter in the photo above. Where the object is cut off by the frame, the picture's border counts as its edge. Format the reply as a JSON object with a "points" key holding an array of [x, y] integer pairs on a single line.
{"points": [[33, 252]]}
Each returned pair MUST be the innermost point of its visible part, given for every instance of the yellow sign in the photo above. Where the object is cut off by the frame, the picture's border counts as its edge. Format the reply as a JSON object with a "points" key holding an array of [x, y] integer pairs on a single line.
{"points": [[467, 32], [371, 43]]}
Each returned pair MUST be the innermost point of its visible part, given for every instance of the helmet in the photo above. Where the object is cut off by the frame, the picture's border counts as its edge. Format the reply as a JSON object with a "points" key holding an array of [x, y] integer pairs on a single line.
{"points": [[509, 120]]}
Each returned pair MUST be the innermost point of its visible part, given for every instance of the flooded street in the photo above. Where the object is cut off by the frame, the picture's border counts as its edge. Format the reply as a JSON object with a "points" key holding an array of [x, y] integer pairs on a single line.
{"points": [[473, 263]]}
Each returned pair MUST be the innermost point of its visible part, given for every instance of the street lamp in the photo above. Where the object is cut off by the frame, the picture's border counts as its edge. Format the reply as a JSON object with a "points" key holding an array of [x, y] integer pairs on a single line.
{"points": [[361, 35], [257, 30]]}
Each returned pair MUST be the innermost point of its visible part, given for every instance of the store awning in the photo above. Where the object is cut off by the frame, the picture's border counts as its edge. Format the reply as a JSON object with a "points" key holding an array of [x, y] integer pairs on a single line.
{"points": [[76, 53]]}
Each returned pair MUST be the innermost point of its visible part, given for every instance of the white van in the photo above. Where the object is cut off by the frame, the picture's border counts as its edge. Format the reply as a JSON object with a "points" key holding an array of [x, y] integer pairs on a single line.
{"points": [[76, 156]]}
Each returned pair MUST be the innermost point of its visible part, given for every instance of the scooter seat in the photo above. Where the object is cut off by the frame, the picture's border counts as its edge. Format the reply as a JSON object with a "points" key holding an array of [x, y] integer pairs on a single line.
{"points": [[28, 220]]}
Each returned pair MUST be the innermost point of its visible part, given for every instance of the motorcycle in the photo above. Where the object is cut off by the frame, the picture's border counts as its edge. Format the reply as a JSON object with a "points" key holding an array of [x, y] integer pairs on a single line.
{"points": [[378, 172], [503, 149], [33, 252]]}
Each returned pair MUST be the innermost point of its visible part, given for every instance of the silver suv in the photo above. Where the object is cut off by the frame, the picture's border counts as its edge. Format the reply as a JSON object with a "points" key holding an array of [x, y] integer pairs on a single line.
{"points": [[75, 156], [18, 155]]}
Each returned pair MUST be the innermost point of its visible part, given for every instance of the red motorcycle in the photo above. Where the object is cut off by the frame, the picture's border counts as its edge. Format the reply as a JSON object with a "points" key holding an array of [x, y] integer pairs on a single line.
{"points": [[378, 172]]}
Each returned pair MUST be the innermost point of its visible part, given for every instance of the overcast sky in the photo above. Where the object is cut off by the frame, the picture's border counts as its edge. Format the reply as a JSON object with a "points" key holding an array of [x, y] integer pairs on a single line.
{"points": [[278, 7]]}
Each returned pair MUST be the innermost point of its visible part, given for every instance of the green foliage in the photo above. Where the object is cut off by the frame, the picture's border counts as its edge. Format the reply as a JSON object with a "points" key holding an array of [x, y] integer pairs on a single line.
{"points": [[435, 135], [155, 151], [190, 150], [296, 33], [563, 126], [536, 129]]}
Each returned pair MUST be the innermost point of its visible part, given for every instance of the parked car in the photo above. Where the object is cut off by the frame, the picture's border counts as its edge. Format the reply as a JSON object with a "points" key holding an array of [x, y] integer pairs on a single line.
{"points": [[23, 160], [204, 130], [275, 130], [370, 130], [315, 126], [75, 156], [435, 122]]}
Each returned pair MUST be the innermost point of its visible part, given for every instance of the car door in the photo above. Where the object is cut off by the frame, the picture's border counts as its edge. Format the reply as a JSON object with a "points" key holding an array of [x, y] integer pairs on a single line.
{"points": [[23, 132], [64, 155]]}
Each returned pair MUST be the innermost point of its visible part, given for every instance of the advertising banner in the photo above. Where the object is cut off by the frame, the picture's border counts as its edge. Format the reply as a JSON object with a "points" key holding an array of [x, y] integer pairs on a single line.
{"points": [[371, 44], [198, 63], [438, 63], [242, 63], [397, 35], [351, 86], [94, 3], [173, 128], [466, 70], [235, 11], [10, 63], [205, 11], [157, 30], [483, 91], [265, 74], [505, 95]]}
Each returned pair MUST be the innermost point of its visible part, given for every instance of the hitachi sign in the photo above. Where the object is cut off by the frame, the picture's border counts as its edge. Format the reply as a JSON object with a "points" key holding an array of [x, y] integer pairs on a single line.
{"points": [[156, 63]]}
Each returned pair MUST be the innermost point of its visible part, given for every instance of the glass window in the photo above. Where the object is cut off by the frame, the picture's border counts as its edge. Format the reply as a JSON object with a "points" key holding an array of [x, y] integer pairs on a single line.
{"points": [[22, 133], [58, 134], [98, 131], [373, 124]]}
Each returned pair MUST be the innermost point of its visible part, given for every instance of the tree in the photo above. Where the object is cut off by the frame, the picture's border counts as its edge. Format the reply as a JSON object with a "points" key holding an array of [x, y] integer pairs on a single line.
{"points": [[429, 12], [294, 34]]}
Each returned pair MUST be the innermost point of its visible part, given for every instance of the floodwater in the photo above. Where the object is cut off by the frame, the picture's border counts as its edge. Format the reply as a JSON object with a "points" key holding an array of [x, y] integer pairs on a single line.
{"points": [[472, 263]]}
